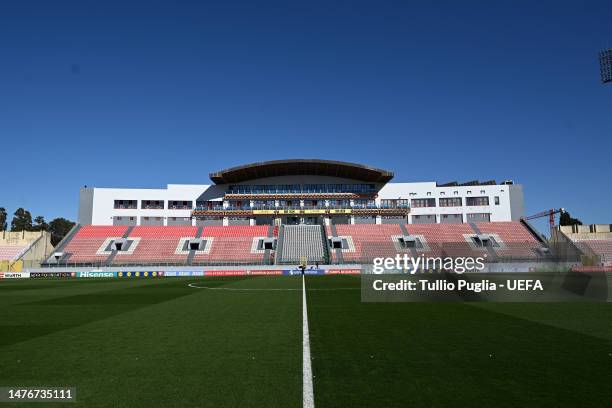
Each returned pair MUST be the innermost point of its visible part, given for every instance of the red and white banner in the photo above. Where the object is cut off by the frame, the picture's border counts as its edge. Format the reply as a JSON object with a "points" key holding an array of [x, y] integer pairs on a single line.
{"points": [[244, 272], [343, 272]]}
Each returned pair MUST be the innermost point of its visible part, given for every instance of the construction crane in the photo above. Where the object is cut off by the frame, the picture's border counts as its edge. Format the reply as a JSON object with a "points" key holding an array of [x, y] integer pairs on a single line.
{"points": [[548, 213]]}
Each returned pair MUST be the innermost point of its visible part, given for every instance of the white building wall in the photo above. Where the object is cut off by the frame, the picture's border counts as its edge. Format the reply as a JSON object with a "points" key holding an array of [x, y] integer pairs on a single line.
{"points": [[510, 206], [103, 202], [97, 204]]}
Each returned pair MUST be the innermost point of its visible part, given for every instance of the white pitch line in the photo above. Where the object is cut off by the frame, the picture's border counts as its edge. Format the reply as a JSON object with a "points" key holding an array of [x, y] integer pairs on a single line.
{"points": [[307, 389], [193, 285]]}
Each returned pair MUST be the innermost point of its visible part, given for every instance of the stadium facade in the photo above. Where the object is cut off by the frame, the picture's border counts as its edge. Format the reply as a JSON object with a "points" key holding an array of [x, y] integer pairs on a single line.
{"points": [[302, 191]]}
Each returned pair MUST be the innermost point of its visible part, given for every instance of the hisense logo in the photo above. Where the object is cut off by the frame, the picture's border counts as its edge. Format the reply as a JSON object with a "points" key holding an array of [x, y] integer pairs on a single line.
{"points": [[96, 274]]}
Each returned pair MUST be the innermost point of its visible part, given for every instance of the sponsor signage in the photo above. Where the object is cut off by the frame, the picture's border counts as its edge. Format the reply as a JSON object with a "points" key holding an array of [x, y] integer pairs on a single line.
{"points": [[244, 272], [306, 272], [183, 273], [97, 274], [290, 211], [304, 211], [53, 275], [343, 272], [263, 211], [14, 275], [140, 274]]}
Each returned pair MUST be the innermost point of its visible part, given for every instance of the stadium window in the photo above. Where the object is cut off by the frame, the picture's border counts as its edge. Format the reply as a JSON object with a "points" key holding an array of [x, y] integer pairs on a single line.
{"points": [[477, 201], [125, 204], [388, 203], [456, 193], [423, 202], [424, 219], [469, 191], [479, 217], [450, 202]]}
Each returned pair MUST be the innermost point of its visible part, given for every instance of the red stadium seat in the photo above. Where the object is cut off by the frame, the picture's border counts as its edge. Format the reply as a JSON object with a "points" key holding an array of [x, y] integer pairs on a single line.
{"points": [[158, 245]]}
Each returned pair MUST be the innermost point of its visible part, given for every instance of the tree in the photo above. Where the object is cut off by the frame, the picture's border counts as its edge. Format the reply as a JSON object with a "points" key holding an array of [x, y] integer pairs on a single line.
{"points": [[566, 219], [40, 224], [3, 219], [58, 228], [22, 220]]}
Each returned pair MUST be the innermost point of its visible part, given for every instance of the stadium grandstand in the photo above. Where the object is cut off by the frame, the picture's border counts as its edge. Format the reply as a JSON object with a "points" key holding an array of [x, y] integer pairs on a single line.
{"points": [[109, 246], [293, 212], [593, 242], [23, 249], [303, 191]]}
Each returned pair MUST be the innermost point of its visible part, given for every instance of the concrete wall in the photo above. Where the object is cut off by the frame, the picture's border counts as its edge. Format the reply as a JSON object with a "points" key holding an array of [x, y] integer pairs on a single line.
{"points": [[86, 201], [586, 232], [39, 242]]}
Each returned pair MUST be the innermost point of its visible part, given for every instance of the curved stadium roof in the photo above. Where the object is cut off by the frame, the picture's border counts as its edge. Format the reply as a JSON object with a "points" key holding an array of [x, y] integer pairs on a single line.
{"points": [[296, 167]]}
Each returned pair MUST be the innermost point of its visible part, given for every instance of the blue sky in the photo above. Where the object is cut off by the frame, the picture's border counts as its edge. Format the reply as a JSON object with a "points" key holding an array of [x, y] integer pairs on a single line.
{"points": [[141, 94]]}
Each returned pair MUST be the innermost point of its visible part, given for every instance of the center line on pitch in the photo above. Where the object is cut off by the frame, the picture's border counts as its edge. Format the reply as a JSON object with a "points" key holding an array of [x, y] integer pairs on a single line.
{"points": [[307, 389]]}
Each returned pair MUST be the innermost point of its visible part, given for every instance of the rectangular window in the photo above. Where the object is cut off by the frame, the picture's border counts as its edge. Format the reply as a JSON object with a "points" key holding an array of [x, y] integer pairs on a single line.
{"points": [[451, 202], [125, 204], [423, 202], [479, 217], [424, 219], [496, 200], [474, 201], [179, 205], [387, 203], [399, 203], [152, 204], [451, 219]]}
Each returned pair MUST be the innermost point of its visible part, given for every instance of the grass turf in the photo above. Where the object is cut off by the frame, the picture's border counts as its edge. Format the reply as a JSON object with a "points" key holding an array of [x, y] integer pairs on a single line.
{"points": [[158, 342]]}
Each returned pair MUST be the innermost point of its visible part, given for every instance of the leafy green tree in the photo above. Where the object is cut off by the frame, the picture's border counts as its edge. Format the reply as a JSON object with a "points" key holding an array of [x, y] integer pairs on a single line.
{"points": [[58, 228], [40, 224], [566, 219], [3, 219], [22, 220]]}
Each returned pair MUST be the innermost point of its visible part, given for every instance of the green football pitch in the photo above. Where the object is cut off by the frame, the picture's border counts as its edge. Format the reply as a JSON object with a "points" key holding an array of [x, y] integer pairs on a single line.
{"points": [[161, 343]]}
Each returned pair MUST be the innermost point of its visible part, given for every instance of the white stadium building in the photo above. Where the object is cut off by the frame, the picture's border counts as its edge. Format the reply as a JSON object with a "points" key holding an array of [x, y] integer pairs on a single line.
{"points": [[303, 191]]}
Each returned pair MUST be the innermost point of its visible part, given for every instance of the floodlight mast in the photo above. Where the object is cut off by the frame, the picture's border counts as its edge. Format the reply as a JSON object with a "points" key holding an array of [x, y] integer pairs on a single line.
{"points": [[605, 65]]}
